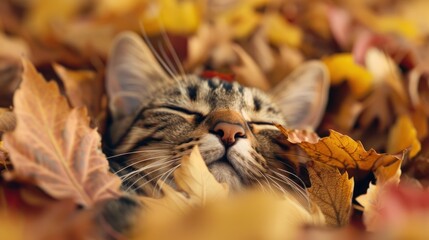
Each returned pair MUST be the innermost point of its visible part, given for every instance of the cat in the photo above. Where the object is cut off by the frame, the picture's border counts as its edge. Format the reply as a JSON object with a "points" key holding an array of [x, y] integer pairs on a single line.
{"points": [[157, 118]]}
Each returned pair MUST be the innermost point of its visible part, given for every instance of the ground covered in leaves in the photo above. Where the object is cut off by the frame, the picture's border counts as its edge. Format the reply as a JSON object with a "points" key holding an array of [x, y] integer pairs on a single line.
{"points": [[369, 171]]}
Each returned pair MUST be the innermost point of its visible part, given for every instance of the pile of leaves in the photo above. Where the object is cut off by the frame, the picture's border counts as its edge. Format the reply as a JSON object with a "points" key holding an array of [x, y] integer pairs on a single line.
{"points": [[55, 180]]}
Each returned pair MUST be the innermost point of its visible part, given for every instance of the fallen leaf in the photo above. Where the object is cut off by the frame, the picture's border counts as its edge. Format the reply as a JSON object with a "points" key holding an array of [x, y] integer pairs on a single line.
{"points": [[247, 72], [343, 152], [58, 149], [403, 135], [194, 178], [85, 89], [332, 192], [242, 20], [373, 201], [298, 135], [342, 67], [281, 32], [178, 17]]}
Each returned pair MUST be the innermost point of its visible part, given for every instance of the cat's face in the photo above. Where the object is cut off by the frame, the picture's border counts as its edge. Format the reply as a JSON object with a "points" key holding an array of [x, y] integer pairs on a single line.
{"points": [[232, 125]]}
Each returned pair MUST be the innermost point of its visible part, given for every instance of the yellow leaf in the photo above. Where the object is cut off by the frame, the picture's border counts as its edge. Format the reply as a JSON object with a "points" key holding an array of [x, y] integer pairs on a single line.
{"points": [[342, 67], [281, 32], [242, 20], [45, 14], [403, 135], [398, 25], [332, 192], [194, 178], [55, 146], [174, 16], [343, 152]]}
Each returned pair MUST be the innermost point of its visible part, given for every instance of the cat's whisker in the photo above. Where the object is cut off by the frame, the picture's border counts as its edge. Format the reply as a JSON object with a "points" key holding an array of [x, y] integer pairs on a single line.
{"points": [[147, 174], [172, 51], [267, 181], [155, 53], [292, 174], [280, 188], [140, 161], [157, 176], [150, 166], [294, 186], [166, 177], [166, 58], [134, 152]]}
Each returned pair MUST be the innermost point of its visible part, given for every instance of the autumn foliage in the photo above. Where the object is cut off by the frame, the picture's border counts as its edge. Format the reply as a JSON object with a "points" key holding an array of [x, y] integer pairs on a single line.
{"points": [[368, 173]]}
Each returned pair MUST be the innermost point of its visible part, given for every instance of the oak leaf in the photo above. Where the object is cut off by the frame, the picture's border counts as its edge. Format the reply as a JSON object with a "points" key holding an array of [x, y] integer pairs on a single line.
{"points": [[332, 192], [54, 145], [343, 152]]}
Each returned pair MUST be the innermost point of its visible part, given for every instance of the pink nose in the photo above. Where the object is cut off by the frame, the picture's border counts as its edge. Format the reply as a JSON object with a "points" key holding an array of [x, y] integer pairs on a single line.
{"points": [[229, 132]]}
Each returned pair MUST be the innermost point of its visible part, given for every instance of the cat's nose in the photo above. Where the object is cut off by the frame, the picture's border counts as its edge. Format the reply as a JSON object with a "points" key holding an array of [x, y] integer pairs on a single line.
{"points": [[229, 132]]}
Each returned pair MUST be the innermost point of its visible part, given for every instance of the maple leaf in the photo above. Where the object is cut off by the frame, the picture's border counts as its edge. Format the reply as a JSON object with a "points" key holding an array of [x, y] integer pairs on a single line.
{"points": [[54, 145], [343, 152], [332, 192]]}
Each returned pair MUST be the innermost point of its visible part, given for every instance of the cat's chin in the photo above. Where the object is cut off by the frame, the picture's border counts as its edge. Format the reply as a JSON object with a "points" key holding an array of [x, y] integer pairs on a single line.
{"points": [[225, 173]]}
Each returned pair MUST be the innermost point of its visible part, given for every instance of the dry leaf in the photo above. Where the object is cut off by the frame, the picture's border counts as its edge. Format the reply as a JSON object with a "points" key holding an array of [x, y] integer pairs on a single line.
{"points": [[342, 67], [248, 73], [54, 145], [194, 178], [403, 135], [332, 192], [281, 32], [85, 89], [178, 17], [297, 135], [343, 152], [373, 201]]}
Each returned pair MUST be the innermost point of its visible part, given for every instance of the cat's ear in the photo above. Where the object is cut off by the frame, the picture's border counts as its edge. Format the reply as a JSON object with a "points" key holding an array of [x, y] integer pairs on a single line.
{"points": [[133, 74], [302, 96]]}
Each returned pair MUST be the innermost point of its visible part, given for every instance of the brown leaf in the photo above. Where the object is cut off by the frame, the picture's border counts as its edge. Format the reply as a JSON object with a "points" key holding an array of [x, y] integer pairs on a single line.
{"points": [[54, 145], [248, 72], [332, 192], [343, 152], [85, 89]]}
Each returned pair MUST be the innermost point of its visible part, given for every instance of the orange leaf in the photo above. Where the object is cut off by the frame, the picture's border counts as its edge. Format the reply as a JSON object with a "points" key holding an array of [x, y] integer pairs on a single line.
{"points": [[343, 152], [332, 192], [54, 144]]}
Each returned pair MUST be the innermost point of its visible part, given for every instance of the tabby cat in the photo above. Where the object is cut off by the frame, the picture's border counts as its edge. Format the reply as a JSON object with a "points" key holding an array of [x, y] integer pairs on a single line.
{"points": [[158, 118]]}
